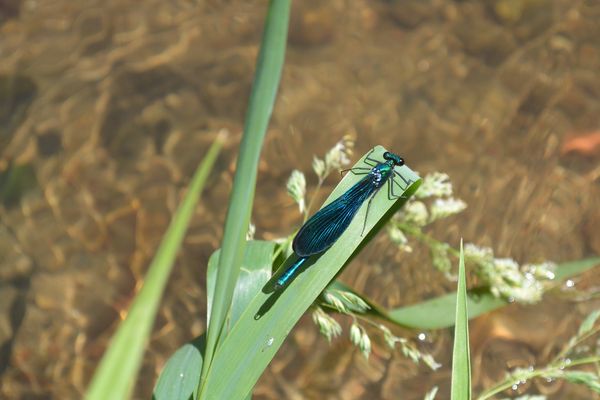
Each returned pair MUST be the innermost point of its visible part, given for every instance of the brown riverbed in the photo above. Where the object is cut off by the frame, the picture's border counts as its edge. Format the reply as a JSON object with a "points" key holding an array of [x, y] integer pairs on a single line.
{"points": [[107, 107]]}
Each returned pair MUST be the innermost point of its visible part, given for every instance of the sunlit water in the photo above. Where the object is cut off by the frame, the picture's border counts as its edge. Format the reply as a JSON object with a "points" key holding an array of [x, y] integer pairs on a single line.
{"points": [[107, 107]]}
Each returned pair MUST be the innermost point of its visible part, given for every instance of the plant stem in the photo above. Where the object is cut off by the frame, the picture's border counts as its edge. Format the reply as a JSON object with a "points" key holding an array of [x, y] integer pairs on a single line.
{"points": [[312, 198], [552, 369], [423, 237]]}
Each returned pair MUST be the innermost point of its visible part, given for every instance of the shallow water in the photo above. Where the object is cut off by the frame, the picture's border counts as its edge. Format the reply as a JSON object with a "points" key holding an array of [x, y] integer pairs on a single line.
{"points": [[107, 107]]}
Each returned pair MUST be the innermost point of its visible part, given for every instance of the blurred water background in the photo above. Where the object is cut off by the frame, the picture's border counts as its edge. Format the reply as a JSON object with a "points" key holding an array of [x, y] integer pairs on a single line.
{"points": [[106, 108]]}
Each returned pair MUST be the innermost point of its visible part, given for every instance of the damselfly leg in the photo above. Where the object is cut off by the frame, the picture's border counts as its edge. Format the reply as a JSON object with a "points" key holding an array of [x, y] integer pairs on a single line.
{"points": [[371, 161], [356, 170], [367, 213]]}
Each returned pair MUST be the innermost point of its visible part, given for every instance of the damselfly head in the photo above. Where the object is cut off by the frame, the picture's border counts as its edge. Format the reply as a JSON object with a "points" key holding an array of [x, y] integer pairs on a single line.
{"points": [[396, 159]]}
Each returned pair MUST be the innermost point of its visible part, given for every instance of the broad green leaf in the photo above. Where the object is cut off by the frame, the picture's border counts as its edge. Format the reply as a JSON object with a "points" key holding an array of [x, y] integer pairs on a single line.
{"points": [[254, 275], [262, 99], [437, 313], [461, 359], [179, 377], [118, 368], [254, 339], [255, 272]]}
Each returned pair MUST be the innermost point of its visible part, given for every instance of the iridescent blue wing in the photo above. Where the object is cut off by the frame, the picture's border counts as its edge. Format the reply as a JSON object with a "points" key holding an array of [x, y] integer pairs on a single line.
{"points": [[327, 225]]}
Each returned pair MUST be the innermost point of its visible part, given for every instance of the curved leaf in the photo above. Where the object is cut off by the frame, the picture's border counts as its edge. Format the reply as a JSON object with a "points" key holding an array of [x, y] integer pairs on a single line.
{"points": [[179, 377]]}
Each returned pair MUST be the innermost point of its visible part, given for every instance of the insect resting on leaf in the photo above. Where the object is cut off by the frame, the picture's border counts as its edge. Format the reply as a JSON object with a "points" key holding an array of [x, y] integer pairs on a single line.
{"points": [[326, 226]]}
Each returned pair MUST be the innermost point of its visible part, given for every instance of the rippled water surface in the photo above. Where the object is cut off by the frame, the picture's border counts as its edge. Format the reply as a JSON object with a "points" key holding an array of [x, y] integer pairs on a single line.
{"points": [[106, 107]]}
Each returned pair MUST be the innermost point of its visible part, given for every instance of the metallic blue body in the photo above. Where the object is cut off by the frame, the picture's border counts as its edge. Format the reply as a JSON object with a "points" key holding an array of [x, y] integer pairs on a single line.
{"points": [[321, 231]]}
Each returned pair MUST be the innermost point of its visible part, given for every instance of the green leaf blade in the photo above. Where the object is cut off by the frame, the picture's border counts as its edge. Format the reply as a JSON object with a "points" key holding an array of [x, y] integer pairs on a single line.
{"points": [[262, 99], [461, 359], [118, 368], [179, 378], [255, 272]]}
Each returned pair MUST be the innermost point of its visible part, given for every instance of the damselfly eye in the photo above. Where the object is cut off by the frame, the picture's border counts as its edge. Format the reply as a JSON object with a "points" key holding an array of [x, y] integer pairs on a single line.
{"points": [[397, 160]]}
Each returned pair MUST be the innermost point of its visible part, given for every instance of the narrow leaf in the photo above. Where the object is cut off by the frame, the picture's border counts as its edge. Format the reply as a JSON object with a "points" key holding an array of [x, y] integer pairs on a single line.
{"points": [[116, 373], [461, 359], [262, 99]]}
